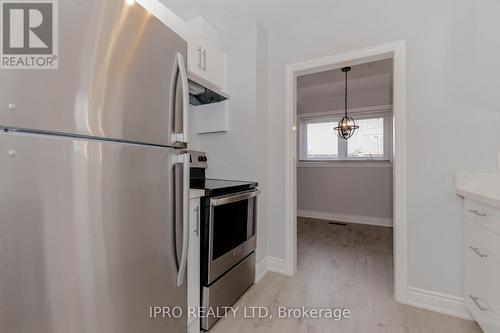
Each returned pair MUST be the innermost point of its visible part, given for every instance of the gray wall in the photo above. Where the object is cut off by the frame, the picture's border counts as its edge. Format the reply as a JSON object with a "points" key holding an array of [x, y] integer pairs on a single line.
{"points": [[360, 191], [452, 80]]}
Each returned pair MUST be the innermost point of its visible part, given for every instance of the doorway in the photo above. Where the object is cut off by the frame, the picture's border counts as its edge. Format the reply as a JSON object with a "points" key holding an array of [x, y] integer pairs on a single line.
{"points": [[396, 52]]}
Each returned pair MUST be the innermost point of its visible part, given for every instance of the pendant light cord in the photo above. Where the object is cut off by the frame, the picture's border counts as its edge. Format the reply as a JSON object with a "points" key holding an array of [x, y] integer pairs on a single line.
{"points": [[346, 93]]}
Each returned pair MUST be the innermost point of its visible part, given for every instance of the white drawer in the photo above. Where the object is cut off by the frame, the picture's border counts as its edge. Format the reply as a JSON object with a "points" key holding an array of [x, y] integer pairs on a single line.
{"points": [[482, 276], [487, 216], [482, 314]]}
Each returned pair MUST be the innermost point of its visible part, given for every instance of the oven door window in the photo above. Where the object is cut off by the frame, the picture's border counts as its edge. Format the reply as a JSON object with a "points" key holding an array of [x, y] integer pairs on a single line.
{"points": [[233, 224]]}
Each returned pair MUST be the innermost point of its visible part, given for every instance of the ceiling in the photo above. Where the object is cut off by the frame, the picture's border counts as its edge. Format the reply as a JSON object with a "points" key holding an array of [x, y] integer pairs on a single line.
{"points": [[273, 14], [369, 84], [336, 75]]}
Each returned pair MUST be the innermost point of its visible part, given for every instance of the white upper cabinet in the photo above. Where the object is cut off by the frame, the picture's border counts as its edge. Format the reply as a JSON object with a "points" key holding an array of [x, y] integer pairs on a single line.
{"points": [[206, 62]]}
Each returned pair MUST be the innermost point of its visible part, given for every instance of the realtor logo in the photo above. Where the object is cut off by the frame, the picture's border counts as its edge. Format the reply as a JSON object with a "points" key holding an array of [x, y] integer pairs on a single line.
{"points": [[29, 34]]}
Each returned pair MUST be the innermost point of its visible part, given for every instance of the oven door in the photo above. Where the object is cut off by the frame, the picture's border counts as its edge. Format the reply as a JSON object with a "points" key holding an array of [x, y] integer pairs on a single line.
{"points": [[232, 224]]}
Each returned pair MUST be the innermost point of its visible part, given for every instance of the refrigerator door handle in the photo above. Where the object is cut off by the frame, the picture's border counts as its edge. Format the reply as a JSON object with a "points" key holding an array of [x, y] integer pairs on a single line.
{"points": [[183, 137], [185, 220]]}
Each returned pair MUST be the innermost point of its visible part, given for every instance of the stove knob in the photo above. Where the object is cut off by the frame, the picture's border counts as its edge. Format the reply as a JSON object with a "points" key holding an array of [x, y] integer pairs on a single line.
{"points": [[205, 159], [200, 158]]}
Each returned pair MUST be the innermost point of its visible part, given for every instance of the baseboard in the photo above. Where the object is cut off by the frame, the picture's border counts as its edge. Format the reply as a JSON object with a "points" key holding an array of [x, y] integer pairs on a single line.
{"points": [[261, 270], [269, 264], [276, 265], [379, 221], [437, 302]]}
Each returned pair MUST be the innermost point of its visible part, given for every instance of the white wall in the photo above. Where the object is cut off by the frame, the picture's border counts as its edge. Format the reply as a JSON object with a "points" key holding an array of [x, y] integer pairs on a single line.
{"points": [[453, 106], [236, 154], [356, 191]]}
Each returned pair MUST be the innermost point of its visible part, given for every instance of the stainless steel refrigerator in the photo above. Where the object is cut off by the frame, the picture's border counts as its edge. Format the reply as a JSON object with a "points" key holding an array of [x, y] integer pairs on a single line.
{"points": [[93, 181]]}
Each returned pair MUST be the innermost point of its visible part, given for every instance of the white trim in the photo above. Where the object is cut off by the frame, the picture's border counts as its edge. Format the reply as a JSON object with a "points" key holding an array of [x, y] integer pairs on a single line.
{"points": [[400, 191], [396, 51], [276, 265], [348, 218], [291, 170], [437, 302], [261, 269], [269, 264], [345, 164]]}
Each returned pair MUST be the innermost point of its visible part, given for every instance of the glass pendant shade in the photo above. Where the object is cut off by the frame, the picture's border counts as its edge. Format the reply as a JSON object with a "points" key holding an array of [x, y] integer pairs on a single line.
{"points": [[347, 125], [346, 128]]}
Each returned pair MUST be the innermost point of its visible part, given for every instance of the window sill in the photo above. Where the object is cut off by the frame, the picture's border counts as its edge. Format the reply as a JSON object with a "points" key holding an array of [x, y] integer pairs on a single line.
{"points": [[344, 164]]}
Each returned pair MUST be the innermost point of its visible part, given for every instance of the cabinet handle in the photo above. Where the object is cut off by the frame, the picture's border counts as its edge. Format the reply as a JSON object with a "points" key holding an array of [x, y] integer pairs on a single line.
{"points": [[477, 212], [197, 230], [476, 251], [199, 57], [476, 301], [205, 60]]}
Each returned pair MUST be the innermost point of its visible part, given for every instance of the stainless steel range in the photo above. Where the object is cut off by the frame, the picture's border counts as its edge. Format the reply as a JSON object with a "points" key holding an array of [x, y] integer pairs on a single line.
{"points": [[228, 237]]}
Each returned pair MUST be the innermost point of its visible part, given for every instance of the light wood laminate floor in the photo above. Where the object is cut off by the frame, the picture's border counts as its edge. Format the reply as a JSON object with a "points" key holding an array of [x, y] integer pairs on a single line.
{"points": [[339, 266]]}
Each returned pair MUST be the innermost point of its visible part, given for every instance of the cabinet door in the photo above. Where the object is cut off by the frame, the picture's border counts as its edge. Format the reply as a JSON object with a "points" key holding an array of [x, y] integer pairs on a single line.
{"points": [[214, 66], [194, 263], [208, 62], [195, 57]]}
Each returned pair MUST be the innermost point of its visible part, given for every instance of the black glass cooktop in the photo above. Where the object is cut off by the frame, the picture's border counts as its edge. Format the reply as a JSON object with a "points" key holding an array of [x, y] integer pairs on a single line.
{"points": [[215, 187]]}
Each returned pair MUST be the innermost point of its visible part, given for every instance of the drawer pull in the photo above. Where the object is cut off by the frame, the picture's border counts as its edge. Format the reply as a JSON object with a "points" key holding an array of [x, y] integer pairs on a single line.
{"points": [[476, 251], [476, 301], [477, 212]]}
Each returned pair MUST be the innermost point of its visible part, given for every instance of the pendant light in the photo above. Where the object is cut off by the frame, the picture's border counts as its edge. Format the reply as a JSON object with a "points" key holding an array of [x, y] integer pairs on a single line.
{"points": [[347, 126]]}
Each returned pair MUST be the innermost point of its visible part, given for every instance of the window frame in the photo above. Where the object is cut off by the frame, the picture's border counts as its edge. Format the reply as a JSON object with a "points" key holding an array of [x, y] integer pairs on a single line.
{"points": [[384, 112], [303, 136]]}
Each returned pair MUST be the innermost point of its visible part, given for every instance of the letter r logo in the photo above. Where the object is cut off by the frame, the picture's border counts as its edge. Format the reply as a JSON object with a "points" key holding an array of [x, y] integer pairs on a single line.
{"points": [[27, 27]]}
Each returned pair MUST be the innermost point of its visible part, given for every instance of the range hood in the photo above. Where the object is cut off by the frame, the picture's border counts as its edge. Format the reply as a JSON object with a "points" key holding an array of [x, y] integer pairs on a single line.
{"points": [[202, 92]]}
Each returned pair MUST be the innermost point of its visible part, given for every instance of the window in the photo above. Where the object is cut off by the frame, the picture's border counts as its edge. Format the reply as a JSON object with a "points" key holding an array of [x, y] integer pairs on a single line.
{"points": [[322, 143], [368, 141], [372, 141]]}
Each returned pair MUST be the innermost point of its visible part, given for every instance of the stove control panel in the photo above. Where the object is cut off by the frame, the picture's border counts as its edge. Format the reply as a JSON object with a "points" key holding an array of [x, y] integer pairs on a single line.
{"points": [[198, 159]]}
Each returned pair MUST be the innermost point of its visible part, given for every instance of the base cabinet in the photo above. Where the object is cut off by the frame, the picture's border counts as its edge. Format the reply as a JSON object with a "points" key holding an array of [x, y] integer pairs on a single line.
{"points": [[193, 268], [482, 265]]}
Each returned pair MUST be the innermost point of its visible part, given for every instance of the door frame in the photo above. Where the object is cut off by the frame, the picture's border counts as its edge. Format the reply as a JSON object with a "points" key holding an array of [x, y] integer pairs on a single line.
{"points": [[393, 50]]}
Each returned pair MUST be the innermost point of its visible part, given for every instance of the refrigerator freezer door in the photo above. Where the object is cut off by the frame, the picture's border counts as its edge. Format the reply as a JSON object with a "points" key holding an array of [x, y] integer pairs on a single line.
{"points": [[86, 237], [118, 78]]}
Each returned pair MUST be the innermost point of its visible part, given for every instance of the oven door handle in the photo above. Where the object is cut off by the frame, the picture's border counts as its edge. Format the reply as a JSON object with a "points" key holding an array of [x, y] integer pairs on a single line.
{"points": [[219, 201]]}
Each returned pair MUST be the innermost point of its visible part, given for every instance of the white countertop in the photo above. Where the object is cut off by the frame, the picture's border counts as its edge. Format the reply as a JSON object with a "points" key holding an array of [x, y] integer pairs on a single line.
{"points": [[195, 194], [482, 187]]}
